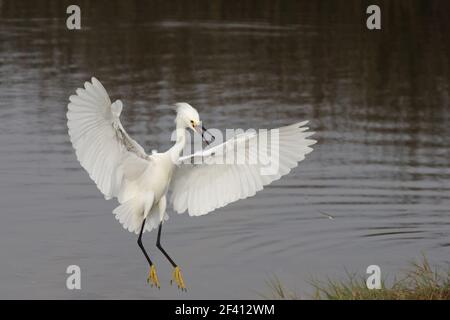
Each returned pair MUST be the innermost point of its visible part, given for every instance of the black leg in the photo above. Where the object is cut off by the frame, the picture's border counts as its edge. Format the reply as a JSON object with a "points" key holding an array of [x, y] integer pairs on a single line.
{"points": [[158, 245], [177, 277], [139, 242]]}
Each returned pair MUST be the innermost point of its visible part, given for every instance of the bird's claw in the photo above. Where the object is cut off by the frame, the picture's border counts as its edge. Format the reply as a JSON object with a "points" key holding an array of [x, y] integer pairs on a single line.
{"points": [[153, 277], [178, 278]]}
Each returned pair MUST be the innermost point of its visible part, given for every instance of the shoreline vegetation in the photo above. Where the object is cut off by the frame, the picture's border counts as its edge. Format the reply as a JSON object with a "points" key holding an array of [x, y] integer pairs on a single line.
{"points": [[420, 281]]}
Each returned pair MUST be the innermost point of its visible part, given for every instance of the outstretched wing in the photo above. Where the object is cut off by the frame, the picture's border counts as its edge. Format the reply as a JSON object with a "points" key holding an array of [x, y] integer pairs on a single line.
{"points": [[102, 145], [238, 168]]}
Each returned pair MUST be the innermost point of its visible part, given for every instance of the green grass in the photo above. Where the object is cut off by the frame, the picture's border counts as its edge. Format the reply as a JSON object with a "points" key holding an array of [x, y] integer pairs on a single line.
{"points": [[419, 282]]}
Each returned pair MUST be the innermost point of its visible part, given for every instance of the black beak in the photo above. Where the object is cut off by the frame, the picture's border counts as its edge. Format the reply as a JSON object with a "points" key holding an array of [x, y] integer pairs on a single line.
{"points": [[211, 137]]}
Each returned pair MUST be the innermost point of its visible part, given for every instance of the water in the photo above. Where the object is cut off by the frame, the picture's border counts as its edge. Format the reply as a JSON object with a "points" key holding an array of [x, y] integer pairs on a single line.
{"points": [[378, 101]]}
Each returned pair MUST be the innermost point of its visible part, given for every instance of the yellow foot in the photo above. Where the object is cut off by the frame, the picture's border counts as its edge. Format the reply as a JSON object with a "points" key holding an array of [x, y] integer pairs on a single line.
{"points": [[153, 278], [178, 278]]}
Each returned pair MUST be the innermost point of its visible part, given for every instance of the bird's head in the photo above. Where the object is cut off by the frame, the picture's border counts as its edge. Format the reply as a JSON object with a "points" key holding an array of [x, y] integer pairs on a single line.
{"points": [[188, 117]]}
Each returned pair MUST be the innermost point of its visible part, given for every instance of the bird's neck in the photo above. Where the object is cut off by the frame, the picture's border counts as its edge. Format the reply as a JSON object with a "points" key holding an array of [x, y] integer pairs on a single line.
{"points": [[178, 147]]}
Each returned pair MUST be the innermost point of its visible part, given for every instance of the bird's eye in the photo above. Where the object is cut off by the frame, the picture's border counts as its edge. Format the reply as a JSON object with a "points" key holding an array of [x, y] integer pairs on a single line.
{"points": [[192, 122]]}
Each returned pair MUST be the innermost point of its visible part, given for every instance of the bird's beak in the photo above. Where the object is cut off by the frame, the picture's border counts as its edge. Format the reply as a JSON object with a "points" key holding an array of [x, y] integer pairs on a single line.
{"points": [[203, 131]]}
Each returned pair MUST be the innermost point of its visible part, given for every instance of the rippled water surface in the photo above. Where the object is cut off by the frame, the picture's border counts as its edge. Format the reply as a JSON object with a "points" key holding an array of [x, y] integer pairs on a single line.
{"points": [[379, 102]]}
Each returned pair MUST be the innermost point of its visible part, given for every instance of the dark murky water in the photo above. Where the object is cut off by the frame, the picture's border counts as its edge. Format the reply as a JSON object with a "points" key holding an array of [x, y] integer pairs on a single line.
{"points": [[379, 102]]}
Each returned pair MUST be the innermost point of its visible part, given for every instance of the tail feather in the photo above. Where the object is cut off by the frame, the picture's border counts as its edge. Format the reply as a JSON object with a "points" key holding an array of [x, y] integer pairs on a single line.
{"points": [[154, 219], [130, 214]]}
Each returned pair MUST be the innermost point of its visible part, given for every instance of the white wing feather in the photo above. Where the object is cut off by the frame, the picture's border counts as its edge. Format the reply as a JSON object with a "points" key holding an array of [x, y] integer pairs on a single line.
{"points": [[202, 188], [102, 145]]}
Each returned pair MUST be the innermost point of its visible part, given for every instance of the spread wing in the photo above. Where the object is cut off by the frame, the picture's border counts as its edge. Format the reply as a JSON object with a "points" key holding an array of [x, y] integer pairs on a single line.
{"points": [[102, 145], [238, 168]]}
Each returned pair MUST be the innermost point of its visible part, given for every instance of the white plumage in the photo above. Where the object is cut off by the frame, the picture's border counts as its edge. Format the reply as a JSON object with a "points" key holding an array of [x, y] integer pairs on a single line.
{"points": [[122, 169], [205, 187]]}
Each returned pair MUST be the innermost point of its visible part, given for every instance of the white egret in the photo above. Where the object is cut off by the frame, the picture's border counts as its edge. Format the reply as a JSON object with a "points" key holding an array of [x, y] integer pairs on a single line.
{"points": [[122, 169]]}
